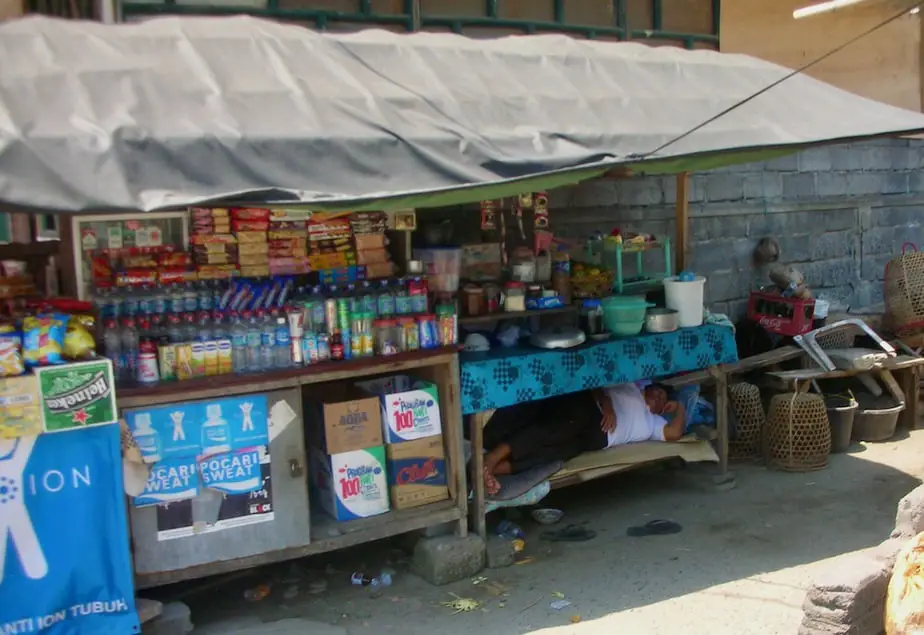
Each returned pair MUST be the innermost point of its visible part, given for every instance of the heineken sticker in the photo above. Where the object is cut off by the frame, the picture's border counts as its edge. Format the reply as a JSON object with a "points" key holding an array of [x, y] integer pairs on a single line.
{"points": [[77, 395]]}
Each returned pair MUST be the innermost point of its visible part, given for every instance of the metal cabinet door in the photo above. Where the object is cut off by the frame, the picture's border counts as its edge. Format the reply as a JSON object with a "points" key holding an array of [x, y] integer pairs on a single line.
{"points": [[160, 560]]}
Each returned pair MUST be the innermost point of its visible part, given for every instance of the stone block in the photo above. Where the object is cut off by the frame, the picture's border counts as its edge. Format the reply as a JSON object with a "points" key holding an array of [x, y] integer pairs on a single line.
{"points": [[724, 187], [831, 184], [697, 188], [763, 186], [838, 273], [723, 286], [852, 584], [795, 247], [846, 157], [448, 559], [916, 182], [868, 294], [815, 160], [872, 267], [443, 529], [596, 192], [833, 245], [174, 619], [642, 191], [840, 219], [876, 158], [712, 227], [148, 609], [868, 623], [895, 183], [785, 163], [798, 186], [879, 240], [887, 551], [909, 519], [499, 552], [865, 183]]}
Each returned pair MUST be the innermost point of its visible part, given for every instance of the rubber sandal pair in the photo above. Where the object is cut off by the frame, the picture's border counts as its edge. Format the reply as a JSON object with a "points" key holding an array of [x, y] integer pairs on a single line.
{"points": [[655, 528], [571, 533]]}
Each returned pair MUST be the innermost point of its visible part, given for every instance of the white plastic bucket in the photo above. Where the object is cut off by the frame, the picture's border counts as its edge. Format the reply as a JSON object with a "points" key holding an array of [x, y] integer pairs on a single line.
{"points": [[686, 298]]}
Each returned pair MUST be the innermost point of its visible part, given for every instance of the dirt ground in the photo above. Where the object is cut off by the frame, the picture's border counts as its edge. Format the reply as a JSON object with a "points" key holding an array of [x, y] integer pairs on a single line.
{"points": [[740, 566]]}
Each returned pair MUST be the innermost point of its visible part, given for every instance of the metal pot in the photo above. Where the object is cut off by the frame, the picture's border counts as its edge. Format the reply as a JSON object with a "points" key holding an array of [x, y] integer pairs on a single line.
{"points": [[662, 320]]}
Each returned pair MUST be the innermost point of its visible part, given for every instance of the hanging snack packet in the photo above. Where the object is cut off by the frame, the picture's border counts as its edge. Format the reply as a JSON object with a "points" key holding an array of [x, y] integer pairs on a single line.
{"points": [[43, 340], [79, 342], [11, 363]]}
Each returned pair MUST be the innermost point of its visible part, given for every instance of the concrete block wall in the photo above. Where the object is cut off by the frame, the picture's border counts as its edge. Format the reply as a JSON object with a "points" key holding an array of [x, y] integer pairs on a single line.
{"points": [[840, 214]]}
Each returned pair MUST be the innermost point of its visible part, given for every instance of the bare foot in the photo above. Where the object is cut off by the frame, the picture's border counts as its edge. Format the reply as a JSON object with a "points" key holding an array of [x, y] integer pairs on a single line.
{"points": [[491, 484]]}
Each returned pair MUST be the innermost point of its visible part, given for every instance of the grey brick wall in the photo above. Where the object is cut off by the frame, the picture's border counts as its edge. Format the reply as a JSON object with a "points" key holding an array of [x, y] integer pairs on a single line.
{"points": [[839, 212]]}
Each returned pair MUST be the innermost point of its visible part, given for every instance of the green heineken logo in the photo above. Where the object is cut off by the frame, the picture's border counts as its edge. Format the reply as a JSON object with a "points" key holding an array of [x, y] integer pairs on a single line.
{"points": [[77, 395]]}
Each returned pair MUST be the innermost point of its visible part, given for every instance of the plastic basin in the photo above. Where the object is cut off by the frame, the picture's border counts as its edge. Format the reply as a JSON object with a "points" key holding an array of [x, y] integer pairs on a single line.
{"points": [[624, 316]]}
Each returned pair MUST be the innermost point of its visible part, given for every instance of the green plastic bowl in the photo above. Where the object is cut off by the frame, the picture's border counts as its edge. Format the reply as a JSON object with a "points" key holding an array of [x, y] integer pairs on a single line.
{"points": [[624, 316]]}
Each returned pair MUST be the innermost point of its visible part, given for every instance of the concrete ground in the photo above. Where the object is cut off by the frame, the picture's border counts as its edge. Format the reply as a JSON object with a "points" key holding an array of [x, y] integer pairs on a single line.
{"points": [[740, 566]]}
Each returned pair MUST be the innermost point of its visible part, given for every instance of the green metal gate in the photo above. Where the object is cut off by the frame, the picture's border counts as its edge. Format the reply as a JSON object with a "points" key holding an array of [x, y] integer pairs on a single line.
{"points": [[412, 15]]}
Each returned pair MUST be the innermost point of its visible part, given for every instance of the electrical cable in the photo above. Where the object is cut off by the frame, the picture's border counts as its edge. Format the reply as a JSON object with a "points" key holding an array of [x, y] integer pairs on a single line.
{"points": [[916, 5]]}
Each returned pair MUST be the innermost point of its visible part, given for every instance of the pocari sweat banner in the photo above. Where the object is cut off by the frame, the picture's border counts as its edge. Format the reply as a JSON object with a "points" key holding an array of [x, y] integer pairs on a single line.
{"points": [[65, 565]]}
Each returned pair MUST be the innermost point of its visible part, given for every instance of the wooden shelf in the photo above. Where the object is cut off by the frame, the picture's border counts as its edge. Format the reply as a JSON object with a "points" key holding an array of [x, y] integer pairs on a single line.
{"points": [[496, 317], [17, 251], [136, 396], [326, 535]]}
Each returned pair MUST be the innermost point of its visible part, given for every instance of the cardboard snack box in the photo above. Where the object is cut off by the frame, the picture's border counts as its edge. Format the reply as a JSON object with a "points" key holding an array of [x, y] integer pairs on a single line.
{"points": [[350, 485], [416, 472], [410, 408], [341, 419]]}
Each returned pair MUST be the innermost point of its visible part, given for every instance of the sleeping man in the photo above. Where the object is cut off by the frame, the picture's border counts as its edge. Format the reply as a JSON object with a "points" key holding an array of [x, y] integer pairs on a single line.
{"points": [[558, 429]]}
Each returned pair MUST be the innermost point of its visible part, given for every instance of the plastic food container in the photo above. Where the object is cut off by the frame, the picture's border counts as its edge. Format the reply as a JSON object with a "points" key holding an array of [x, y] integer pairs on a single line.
{"points": [[686, 297], [515, 297], [442, 265], [624, 316]]}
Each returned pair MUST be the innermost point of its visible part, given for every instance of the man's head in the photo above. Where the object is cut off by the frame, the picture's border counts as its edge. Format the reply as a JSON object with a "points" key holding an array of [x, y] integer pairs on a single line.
{"points": [[656, 398]]}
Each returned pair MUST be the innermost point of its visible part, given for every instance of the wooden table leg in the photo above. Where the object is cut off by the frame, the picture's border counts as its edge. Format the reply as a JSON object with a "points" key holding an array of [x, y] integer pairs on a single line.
{"points": [[476, 436], [721, 419]]}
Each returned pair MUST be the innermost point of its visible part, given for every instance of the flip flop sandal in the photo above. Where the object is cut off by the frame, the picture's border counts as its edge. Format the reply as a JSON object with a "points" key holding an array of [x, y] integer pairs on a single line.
{"points": [[655, 528], [571, 533]]}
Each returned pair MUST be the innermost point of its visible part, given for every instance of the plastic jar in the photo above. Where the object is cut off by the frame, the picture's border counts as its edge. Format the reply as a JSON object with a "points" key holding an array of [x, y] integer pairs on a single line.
{"points": [[515, 300], [473, 299], [411, 333], [429, 338], [523, 265], [385, 343]]}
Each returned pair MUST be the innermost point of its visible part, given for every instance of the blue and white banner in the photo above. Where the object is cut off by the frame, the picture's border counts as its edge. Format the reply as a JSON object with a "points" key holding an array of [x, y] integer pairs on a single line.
{"points": [[170, 480], [65, 565], [234, 472]]}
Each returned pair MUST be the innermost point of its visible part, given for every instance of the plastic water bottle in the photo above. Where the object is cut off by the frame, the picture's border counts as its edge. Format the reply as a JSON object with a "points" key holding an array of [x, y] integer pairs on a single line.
{"points": [[175, 329], [283, 344], [385, 301], [130, 343], [361, 579], [190, 331], [204, 327], [254, 340], [239, 363], [267, 341], [112, 341]]}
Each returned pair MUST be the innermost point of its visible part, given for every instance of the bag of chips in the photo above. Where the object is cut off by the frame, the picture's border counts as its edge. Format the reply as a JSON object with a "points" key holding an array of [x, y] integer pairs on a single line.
{"points": [[43, 339], [11, 363]]}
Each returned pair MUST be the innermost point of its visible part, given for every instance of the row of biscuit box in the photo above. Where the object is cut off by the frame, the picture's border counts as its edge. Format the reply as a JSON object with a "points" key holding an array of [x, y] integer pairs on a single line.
{"points": [[375, 446]]}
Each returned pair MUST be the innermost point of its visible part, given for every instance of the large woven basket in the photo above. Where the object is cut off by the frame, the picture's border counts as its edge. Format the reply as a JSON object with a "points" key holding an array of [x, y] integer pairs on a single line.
{"points": [[904, 290], [749, 421], [798, 436]]}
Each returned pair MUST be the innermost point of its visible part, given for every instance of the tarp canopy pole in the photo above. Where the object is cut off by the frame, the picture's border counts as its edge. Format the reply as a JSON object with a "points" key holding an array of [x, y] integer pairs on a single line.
{"points": [[682, 222]]}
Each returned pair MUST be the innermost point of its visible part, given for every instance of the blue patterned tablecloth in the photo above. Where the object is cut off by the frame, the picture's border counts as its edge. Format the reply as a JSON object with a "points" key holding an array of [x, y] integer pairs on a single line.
{"points": [[503, 377]]}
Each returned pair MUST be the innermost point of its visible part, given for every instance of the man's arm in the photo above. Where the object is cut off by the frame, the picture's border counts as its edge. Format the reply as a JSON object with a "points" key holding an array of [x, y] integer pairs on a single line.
{"points": [[676, 418]]}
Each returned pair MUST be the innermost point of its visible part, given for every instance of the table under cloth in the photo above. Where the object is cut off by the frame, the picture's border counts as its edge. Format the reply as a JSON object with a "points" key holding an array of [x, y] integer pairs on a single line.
{"points": [[507, 376]]}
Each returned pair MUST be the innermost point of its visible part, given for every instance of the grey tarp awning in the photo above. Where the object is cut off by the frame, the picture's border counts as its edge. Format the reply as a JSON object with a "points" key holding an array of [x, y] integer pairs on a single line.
{"points": [[176, 111]]}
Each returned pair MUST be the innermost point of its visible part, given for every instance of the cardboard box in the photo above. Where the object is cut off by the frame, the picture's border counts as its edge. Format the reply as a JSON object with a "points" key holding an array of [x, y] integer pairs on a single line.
{"points": [[350, 485], [410, 408], [341, 420], [416, 472]]}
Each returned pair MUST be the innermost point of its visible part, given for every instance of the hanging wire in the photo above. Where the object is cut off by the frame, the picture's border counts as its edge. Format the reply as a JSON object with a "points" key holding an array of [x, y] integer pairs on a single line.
{"points": [[916, 5]]}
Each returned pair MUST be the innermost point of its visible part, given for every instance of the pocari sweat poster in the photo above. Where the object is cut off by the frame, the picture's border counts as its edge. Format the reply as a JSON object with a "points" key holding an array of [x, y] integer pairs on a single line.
{"points": [[65, 566]]}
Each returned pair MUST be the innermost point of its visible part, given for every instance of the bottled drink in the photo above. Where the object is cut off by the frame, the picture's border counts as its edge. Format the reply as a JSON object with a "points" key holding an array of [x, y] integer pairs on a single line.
{"points": [[205, 297], [204, 327], [175, 329], [190, 331], [130, 303], [148, 372], [112, 342], [267, 341], [361, 579], [176, 299], [239, 363], [190, 298], [367, 301], [129, 336], [417, 289], [254, 341], [385, 301], [160, 301], [283, 352], [402, 298], [145, 302]]}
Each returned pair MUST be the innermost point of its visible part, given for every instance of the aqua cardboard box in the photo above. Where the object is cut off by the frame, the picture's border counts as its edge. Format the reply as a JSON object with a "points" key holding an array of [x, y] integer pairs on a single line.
{"points": [[341, 420], [352, 484], [410, 407]]}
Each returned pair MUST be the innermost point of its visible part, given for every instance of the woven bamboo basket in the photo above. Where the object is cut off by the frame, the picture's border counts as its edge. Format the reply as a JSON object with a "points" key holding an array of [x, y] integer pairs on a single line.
{"points": [[749, 421], [797, 436], [904, 290]]}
